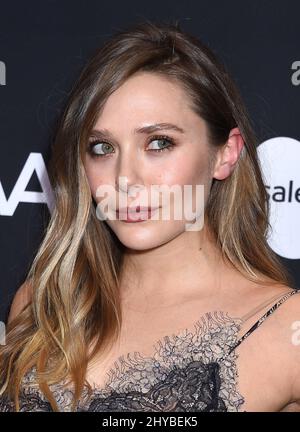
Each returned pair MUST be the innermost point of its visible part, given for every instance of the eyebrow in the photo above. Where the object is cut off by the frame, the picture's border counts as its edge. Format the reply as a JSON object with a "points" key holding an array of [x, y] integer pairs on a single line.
{"points": [[144, 129]]}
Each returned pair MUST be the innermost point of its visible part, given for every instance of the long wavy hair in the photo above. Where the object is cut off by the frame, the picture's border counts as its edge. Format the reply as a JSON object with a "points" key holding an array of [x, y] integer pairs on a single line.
{"points": [[76, 272]]}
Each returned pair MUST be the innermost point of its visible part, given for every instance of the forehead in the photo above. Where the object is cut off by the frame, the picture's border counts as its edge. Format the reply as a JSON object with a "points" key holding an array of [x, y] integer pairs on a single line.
{"points": [[147, 98]]}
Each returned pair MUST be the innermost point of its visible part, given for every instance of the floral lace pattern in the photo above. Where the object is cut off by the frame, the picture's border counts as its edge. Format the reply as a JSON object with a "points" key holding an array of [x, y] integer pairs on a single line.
{"points": [[187, 372]]}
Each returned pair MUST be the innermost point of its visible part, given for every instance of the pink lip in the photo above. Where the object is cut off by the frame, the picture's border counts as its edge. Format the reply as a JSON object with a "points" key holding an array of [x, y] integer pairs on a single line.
{"points": [[128, 211], [137, 209]]}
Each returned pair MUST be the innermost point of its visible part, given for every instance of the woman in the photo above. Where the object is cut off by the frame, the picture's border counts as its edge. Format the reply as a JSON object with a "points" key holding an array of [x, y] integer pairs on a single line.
{"points": [[143, 312]]}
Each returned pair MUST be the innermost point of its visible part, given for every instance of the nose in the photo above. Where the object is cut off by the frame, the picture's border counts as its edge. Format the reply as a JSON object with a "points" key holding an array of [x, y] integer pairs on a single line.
{"points": [[128, 174]]}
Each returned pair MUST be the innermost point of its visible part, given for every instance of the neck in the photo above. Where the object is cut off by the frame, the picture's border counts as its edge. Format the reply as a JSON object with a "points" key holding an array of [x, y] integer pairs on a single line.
{"points": [[180, 269]]}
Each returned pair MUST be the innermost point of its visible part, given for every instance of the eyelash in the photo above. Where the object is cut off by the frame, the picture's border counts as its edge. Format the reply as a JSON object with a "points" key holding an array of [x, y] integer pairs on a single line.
{"points": [[153, 138]]}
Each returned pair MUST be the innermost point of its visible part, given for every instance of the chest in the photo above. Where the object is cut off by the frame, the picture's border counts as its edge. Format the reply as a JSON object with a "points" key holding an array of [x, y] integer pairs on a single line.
{"points": [[152, 368], [191, 370]]}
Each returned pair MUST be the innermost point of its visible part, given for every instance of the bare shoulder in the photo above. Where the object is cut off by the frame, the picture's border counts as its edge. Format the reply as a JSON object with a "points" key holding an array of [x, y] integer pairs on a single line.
{"points": [[270, 357], [289, 310], [21, 299], [287, 326], [290, 318], [286, 313]]}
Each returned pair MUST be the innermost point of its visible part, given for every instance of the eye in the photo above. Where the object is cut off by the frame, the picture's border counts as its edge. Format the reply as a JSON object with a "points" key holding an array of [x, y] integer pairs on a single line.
{"points": [[97, 148], [161, 140]]}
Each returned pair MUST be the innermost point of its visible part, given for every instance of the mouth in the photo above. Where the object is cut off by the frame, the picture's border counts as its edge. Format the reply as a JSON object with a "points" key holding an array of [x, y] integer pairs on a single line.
{"points": [[135, 214]]}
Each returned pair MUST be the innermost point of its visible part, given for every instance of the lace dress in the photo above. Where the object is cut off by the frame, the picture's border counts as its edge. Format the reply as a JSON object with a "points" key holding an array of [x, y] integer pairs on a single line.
{"points": [[189, 371]]}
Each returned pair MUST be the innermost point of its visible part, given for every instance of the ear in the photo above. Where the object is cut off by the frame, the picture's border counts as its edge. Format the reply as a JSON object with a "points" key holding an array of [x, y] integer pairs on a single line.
{"points": [[228, 155]]}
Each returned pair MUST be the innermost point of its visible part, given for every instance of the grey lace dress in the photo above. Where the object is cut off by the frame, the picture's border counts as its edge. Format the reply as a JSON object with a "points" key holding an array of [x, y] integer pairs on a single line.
{"points": [[191, 371]]}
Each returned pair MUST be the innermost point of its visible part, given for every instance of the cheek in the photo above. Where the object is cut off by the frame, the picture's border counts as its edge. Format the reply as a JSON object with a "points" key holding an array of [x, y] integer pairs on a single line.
{"points": [[185, 170], [95, 180], [188, 171]]}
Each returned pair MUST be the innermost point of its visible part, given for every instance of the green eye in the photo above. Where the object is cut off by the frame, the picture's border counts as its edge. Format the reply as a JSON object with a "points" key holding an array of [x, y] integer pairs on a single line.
{"points": [[164, 144], [97, 148]]}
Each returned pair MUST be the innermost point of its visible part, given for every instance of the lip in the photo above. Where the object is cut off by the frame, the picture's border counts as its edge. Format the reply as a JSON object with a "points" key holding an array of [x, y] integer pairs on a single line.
{"points": [[130, 214], [137, 209]]}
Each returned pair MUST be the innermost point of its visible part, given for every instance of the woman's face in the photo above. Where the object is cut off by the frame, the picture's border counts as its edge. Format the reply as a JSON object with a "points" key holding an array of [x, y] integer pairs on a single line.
{"points": [[121, 152]]}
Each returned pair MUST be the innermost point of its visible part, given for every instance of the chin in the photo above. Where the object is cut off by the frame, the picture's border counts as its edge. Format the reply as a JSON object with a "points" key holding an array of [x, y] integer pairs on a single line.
{"points": [[142, 236]]}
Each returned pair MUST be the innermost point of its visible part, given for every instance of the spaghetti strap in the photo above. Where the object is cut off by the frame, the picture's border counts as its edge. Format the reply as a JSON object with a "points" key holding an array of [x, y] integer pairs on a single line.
{"points": [[261, 319], [261, 306]]}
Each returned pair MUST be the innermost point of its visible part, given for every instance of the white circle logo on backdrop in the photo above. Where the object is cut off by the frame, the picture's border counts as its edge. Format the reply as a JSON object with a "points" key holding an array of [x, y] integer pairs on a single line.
{"points": [[280, 163]]}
